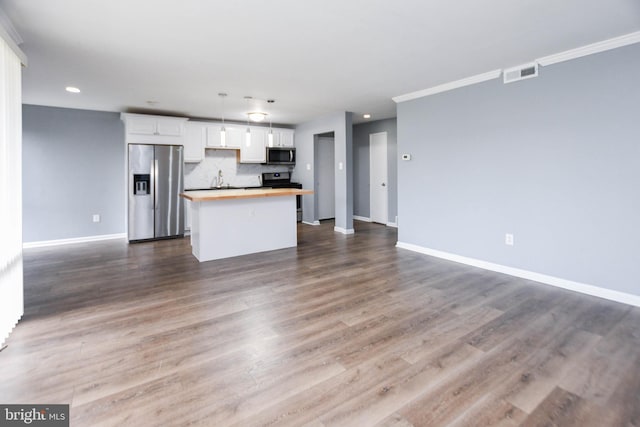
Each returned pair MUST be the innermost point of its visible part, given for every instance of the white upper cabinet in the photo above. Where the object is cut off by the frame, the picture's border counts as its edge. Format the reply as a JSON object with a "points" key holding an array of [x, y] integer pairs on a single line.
{"points": [[286, 137], [233, 136], [281, 138], [145, 129], [196, 136], [236, 139], [194, 141], [169, 128], [253, 151]]}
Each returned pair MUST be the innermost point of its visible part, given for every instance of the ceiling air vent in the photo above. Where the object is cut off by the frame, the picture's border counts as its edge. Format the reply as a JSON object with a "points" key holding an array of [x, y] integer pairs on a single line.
{"points": [[520, 72]]}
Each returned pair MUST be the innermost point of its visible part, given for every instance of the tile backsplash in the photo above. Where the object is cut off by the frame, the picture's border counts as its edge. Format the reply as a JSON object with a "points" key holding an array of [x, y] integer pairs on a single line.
{"points": [[205, 174]]}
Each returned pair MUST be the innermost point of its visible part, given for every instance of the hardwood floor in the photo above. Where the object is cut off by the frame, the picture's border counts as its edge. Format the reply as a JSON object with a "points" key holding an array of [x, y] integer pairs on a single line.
{"points": [[342, 330]]}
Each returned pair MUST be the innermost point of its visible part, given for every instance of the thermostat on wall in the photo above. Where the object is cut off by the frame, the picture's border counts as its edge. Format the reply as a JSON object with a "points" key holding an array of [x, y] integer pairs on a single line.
{"points": [[406, 157]]}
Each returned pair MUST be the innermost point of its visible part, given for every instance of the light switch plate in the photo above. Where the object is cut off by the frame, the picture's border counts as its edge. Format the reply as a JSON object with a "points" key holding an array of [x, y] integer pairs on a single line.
{"points": [[406, 157]]}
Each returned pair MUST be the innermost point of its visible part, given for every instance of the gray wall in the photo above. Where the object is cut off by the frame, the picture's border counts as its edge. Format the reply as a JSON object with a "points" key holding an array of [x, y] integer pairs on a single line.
{"points": [[555, 160], [341, 124], [73, 167], [361, 132]]}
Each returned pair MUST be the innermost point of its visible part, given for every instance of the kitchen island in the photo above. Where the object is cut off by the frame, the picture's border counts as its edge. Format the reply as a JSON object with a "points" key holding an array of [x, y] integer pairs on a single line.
{"points": [[227, 223]]}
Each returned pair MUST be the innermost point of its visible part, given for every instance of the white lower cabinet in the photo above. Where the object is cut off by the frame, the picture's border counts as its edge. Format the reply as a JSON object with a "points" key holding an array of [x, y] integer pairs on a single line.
{"points": [[187, 215]]}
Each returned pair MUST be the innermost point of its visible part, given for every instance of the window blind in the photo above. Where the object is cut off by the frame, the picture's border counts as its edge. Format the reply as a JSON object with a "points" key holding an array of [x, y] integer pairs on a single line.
{"points": [[11, 278]]}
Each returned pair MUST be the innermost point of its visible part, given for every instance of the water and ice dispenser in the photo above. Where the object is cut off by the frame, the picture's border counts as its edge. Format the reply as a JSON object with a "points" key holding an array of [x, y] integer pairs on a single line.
{"points": [[141, 184]]}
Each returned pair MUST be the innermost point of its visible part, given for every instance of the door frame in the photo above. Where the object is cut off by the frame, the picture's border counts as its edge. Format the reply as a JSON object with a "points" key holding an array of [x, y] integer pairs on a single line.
{"points": [[319, 141], [386, 178]]}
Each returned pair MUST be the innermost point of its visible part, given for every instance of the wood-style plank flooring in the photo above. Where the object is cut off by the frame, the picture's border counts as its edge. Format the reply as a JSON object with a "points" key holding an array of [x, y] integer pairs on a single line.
{"points": [[340, 331]]}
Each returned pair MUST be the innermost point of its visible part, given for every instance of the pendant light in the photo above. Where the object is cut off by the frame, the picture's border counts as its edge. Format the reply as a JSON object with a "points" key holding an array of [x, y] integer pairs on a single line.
{"points": [[248, 135], [270, 134], [223, 131]]}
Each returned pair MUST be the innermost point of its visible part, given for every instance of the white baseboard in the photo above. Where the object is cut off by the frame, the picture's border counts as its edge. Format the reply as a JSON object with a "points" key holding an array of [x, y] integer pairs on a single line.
{"points": [[582, 288], [344, 230], [311, 223], [365, 219], [86, 239]]}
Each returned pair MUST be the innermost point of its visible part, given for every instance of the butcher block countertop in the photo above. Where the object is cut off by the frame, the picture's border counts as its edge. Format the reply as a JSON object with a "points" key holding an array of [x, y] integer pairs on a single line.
{"points": [[213, 195]]}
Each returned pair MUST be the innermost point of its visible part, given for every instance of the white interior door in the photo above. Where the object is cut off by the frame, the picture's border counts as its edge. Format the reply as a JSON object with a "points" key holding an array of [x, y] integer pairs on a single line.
{"points": [[326, 179], [379, 196]]}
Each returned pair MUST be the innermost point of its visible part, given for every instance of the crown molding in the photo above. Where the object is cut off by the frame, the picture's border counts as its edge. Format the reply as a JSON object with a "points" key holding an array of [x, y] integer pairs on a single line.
{"points": [[9, 28], [590, 49], [616, 42], [11, 36], [479, 78]]}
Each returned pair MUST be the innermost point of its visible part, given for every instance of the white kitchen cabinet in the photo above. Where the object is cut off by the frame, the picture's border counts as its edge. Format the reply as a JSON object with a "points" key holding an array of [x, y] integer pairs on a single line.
{"points": [[286, 137], [194, 141], [187, 215], [281, 138], [254, 152], [234, 136], [147, 129]]}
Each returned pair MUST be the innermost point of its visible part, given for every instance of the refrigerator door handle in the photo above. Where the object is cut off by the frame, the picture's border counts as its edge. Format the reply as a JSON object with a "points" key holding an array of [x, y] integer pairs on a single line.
{"points": [[155, 183]]}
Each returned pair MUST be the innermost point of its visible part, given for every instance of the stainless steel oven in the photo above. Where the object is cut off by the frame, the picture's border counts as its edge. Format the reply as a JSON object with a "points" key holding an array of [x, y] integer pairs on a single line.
{"points": [[283, 180]]}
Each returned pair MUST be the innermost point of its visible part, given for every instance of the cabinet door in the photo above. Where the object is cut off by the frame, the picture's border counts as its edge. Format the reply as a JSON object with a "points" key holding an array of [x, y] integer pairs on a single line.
{"points": [[286, 138], [194, 142], [142, 129], [254, 152], [233, 136], [187, 215], [141, 125], [213, 136], [168, 127]]}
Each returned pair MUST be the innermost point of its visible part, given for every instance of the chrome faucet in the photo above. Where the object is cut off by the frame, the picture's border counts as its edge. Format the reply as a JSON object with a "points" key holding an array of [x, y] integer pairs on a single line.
{"points": [[220, 181]]}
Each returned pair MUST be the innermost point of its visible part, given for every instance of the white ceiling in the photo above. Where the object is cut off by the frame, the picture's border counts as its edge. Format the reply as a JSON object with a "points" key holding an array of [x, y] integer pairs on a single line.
{"points": [[314, 57]]}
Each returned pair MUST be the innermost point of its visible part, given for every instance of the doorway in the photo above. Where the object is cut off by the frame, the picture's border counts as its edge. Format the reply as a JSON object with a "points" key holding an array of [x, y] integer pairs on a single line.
{"points": [[325, 176], [378, 178]]}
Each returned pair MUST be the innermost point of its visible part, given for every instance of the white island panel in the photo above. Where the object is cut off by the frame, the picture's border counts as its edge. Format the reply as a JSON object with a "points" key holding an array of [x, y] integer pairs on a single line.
{"points": [[232, 227]]}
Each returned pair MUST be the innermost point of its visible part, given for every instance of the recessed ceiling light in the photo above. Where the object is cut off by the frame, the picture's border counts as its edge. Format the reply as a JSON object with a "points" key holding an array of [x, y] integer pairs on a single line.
{"points": [[72, 89], [366, 116]]}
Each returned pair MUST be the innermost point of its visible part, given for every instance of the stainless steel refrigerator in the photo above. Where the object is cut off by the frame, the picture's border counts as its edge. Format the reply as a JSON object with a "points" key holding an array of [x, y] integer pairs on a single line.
{"points": [[156, 211]]}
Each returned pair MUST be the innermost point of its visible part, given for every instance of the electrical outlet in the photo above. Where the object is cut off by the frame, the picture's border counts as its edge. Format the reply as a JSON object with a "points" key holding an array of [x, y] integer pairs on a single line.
{"points": [[96, 217], [508, 239]]}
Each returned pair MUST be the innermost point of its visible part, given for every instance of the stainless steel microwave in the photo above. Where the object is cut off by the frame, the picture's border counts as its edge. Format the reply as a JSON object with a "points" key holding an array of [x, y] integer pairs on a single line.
{"points": [[281, 156]]}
